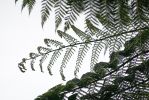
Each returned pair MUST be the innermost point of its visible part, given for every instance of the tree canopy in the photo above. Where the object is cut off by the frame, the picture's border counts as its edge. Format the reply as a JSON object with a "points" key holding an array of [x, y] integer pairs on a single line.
{"points": [[122, 22]]}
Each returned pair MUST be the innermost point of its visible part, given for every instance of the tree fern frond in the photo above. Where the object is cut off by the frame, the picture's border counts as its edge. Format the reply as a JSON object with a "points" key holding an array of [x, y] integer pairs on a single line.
{"points": [[85, 45], [68, 54], [81, 54]]}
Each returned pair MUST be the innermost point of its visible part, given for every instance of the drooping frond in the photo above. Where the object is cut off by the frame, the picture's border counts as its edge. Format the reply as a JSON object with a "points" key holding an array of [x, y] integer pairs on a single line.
{"points": [[102, 41], [124, 77], [121, 20], [27, 3]]}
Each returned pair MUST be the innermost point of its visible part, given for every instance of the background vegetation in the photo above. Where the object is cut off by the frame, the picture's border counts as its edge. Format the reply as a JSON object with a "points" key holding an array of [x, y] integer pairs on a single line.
{"points": [[109, 25]]}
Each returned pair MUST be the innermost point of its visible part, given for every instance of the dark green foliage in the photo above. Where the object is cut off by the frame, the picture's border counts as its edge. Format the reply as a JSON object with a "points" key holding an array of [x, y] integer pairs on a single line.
{"points": [[52, 94], [72, 97], [71, 84]]}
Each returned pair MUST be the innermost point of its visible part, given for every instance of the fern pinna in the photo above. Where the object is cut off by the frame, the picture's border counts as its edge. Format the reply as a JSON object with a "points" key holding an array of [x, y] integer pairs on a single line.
{"points": [[126, 76]]}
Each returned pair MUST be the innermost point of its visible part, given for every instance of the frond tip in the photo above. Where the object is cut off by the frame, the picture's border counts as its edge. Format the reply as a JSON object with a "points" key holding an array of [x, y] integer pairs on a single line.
{"points": [[45, 10], [22, 67], [29, 3]]}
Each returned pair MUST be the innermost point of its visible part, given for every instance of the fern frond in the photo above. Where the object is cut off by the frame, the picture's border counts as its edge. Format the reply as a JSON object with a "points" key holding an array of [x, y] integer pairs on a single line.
{"points": [[85, 45], [68, 54]]}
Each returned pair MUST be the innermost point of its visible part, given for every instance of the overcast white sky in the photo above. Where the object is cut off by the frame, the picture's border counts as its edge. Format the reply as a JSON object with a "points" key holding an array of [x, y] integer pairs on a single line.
{"points": [[20, 34]]}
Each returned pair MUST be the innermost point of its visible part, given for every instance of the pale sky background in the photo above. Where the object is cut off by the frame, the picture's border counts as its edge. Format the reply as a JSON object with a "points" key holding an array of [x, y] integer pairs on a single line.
{"points": [[20, 34]]}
